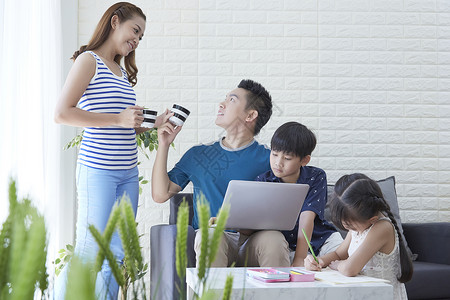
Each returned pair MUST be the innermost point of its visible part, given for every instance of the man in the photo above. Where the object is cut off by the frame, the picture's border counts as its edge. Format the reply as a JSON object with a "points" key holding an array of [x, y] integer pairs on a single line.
{"points": [[210, 167]]}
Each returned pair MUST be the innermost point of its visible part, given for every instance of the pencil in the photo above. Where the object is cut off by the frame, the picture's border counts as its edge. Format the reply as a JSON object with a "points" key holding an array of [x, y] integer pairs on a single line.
{"points": [[310, 247]]}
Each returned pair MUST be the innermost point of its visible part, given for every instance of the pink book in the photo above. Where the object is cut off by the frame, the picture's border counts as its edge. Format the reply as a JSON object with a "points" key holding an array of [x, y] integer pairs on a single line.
{"points": [[268, 273], [268, 280], [301, 275]]}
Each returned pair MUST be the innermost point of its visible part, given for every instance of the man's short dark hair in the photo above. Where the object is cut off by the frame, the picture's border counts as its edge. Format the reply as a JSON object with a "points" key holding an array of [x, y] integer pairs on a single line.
{"points": [[294, 138], [259, 99]]}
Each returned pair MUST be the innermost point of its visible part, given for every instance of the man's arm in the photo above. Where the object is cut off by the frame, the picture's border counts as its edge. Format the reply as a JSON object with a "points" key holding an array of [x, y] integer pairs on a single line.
{"points": [[162, 187], [306, 222]]}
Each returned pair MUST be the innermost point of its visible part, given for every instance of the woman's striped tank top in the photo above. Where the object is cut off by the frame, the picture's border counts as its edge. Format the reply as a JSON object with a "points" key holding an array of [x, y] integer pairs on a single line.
{"points": [[108, 148]]}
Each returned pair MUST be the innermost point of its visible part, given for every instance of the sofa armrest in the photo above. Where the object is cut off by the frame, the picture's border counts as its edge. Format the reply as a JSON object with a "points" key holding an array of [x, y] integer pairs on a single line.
{"points": [[175, 202], [431, 241], [163, 274]]}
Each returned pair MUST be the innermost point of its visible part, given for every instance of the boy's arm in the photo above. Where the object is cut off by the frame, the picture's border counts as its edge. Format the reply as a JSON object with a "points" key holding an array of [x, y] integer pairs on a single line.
{"points": [[314, 203], [306, 221]]}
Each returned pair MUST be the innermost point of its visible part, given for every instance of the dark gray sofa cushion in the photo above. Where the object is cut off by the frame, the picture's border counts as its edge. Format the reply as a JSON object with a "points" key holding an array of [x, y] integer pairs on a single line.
{"points": [[431, 277], [430, 281]]}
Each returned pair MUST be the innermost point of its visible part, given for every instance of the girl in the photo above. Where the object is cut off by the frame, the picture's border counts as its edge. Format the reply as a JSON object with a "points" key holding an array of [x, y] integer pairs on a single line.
{"points": [[107, 161], [373, 246]]}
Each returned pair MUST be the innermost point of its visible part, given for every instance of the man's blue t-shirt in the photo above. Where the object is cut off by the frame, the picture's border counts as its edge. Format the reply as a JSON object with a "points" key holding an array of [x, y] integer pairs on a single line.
{"points": [[211, 167], [315, 201]]}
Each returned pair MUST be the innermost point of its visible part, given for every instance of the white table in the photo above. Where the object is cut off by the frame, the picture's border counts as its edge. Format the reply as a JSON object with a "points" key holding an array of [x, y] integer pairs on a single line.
{"points": [[254, 289]]}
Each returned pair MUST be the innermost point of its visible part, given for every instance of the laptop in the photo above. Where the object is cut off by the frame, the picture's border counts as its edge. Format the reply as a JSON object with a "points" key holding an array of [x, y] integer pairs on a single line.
{"points": [[264, 205]]}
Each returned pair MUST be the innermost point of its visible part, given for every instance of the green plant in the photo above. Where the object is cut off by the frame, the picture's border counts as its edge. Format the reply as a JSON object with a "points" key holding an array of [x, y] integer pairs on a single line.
{"points": [[132, 271], [181, 244], [146, 141], [75, 142], [23, 250], [209, 246], [80, 281], [228, 287], [142, 181], [65, 255]]}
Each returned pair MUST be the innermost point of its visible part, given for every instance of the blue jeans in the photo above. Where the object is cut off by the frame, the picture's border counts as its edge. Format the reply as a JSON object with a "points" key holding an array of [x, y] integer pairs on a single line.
{"points": [[98, 190]]}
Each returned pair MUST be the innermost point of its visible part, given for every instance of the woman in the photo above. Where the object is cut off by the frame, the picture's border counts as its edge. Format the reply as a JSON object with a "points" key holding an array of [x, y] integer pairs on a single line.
{"points": [[107, 161]]}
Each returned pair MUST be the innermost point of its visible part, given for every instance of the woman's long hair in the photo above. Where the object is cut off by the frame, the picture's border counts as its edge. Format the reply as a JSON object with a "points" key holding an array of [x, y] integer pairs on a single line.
{"points": [[124, 11], [358, 198]]}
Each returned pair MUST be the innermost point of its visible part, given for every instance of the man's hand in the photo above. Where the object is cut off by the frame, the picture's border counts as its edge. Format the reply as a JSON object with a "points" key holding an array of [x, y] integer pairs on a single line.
{"points": [[167, 132], [162, 118], [212, 222], [247, 232]]}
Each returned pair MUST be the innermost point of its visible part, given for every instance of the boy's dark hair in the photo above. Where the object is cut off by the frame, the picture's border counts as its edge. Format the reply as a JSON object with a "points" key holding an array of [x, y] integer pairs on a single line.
{"points": [[258, 99], [358, 198], [294, 138]]}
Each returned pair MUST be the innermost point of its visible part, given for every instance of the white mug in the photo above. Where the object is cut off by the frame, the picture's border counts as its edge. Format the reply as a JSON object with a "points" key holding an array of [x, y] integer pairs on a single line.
{"points": [[149, 118], [180, 115]]}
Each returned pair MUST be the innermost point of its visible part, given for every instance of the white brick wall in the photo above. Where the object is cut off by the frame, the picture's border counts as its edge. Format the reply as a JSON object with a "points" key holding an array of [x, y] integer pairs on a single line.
{"points": [[370, 77]]}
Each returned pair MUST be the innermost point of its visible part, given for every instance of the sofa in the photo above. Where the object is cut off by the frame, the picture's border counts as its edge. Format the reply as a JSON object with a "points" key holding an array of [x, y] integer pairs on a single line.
{"points": [[429, 242], [164, 281]]}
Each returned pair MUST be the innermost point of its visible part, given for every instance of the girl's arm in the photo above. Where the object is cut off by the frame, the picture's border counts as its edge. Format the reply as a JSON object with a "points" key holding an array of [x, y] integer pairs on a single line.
{"points": [[306, 221], [76, 83], [340, 253], [380, 237]]}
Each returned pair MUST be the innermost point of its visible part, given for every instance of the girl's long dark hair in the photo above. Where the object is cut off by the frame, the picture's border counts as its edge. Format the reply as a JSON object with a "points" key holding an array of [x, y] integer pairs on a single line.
{"points": [[125, 11], [358, 198]]}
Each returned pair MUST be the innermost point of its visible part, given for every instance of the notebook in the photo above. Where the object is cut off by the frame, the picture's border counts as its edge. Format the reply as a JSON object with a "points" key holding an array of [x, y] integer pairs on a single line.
{"points": [[334, 277], [264, 205]]}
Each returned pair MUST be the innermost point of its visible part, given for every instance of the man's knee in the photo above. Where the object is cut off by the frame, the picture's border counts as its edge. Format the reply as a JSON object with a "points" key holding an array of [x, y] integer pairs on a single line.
{"points": [[268, 248], [198, 238], [270, 239], [221, 258]]}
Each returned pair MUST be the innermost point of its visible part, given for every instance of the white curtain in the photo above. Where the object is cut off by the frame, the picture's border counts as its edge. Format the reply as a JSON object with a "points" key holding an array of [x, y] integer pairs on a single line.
{"points": [[30, 82]]}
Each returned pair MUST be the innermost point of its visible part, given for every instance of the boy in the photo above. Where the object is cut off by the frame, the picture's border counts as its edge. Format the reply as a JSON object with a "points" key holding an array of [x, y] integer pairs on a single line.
{"points": [[210, 167], [291, 148]]}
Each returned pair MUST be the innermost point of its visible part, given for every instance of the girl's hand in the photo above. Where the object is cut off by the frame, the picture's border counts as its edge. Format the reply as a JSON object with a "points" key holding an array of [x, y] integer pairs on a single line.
{"points": [[334, 264], [131, 117], [311, 264]]}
